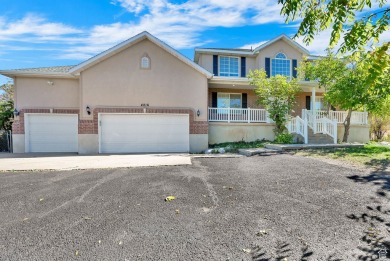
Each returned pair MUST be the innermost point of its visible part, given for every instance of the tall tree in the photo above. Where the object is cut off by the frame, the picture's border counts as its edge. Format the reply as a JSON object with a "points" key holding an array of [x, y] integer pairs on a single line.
{"points": [[277, 94], [6, 106], [361, 24], [346, 85]]}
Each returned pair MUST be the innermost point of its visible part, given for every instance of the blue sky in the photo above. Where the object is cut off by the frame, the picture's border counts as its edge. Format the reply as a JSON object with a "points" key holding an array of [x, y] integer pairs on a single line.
{"points": [[48, 33]]}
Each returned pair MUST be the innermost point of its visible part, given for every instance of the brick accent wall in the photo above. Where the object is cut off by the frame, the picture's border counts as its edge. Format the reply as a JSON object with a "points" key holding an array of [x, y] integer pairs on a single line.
{"points": [[91, 126]]}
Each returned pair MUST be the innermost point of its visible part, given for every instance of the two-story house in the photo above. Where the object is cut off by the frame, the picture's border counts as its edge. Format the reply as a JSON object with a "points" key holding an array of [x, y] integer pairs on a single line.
{"points": [[144, 96]]}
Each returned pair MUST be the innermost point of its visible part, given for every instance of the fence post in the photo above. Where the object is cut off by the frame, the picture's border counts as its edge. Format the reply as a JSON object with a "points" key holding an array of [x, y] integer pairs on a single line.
{"points": [[305, 129], [335, 131], [228, 115], [249, 114]]}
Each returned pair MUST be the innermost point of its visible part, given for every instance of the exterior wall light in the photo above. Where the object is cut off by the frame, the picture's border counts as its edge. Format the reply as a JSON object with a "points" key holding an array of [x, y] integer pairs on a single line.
{"points": [[16, 113], [88, 109], [198, 113], [50, 82]]}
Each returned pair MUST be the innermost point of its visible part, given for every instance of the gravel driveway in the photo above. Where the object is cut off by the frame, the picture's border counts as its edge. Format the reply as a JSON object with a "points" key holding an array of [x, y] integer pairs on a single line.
{"points": [[257, 208]]}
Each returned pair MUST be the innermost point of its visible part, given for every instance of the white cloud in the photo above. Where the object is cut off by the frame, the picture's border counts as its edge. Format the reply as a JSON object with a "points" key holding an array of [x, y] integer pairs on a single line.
{"points": [[178, 24], [33, 25]]}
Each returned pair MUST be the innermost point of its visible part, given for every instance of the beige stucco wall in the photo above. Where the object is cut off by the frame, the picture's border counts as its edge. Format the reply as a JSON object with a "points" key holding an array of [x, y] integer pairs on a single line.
{"points": [[198, 142], [119, 81], [18, 143], [88, 143], [206, 61], [357, 133], [230, 132], [37, 93], [275, 48]]}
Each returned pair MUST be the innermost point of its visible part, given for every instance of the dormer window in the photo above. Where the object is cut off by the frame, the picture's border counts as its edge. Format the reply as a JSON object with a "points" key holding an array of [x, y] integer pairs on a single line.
{"points": [[280, 65], [228, 66], [145, 62]]}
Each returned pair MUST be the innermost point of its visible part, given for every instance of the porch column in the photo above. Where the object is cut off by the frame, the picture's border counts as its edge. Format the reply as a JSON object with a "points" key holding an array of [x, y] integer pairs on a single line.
{"points": [[313, 108], [313, 98]]}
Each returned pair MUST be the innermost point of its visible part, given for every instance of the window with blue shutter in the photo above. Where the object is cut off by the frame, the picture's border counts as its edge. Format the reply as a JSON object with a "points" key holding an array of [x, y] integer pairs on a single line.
{"points": [[244, 100], [243, 67], [295, 68], [268, 66], [215, 65]]}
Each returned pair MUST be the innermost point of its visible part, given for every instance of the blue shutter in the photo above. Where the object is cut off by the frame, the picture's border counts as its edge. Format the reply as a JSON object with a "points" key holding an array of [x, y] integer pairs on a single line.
{"points": [[244, 100], [243, 67], [215, 65], [294, 68], [214, 100], [268, 67], [308, 101]]}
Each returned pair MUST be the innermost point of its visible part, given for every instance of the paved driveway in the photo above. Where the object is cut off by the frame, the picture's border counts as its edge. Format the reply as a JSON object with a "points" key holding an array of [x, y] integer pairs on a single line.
{"points": [[40, 161], [258, 208]]}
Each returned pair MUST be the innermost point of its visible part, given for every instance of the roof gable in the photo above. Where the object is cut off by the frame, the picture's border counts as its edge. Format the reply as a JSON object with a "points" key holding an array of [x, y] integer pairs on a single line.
{"points": [[133, 40], [287, 39]]}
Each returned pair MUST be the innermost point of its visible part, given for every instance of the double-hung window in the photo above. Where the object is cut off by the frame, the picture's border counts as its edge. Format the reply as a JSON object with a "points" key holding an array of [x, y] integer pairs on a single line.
{"points": [[319, 103], [281, 65], [228, 66]]}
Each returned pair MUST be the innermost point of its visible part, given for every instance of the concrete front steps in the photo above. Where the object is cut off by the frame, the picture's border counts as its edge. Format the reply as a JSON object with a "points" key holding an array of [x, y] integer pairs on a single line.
{"points": [[319, 138]]}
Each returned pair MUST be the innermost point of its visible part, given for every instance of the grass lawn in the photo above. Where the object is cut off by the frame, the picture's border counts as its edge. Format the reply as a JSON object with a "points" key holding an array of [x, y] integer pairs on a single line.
{"points": [[235, 146], [371, 155]]}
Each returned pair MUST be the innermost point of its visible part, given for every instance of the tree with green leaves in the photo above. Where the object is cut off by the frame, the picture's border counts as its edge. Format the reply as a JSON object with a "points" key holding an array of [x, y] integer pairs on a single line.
{"points": [[6, 106], [346, 85], [324, 71], [277, 94], [361, 24]]}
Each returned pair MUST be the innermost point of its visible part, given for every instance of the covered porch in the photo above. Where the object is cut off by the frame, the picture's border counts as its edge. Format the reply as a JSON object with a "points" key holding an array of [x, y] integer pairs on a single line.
{"points": [[234, 115]]}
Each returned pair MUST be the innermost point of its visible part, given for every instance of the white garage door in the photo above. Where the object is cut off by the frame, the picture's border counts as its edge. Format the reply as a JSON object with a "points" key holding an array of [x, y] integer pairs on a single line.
{"points": [[51, 133], [134, 133]]}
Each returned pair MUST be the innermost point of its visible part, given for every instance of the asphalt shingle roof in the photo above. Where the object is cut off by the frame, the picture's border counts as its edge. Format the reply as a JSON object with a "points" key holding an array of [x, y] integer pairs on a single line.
{"points": [[52, 69], [230, 49]]}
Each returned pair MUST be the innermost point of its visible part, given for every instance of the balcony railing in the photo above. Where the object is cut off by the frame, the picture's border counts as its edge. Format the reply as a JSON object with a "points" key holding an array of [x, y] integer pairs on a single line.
{"points": [[238, 115], [356, 117]]}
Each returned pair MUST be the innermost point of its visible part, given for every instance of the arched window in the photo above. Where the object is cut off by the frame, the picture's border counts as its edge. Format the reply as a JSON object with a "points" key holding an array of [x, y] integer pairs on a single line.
{"points": [[281, 65], [145, 62]]}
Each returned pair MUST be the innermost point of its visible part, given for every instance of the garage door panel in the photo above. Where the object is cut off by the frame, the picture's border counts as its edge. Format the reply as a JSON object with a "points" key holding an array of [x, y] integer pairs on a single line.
{"points": [[52, 133], [132, 133]]}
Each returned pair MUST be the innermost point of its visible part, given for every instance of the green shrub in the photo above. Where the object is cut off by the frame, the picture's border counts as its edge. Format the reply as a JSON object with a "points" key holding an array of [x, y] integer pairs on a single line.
{"points": [[284, 138]]}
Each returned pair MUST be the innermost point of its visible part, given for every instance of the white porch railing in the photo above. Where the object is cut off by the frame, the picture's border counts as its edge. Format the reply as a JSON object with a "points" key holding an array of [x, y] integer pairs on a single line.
{"points": [[320, 123], [329, 127], [238, 115], [299, 126], [356, 117]]}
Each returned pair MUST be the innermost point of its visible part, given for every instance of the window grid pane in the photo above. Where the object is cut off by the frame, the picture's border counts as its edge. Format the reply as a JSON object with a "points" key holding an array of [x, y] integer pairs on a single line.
{"points": [[281, 66], [228, 66]]}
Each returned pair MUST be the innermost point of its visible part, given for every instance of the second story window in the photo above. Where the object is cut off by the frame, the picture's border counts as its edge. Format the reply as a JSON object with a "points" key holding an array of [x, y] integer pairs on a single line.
{"points": [[228, 66], [281, 65]]}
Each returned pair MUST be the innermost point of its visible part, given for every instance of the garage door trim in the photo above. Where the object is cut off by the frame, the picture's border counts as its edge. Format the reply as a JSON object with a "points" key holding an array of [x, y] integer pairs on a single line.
{"points": [[27, 130], [125, 113]]}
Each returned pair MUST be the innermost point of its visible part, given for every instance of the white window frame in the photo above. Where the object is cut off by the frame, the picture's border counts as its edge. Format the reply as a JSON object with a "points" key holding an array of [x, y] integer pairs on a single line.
{"points": [[228, 93], [319, 99], [281, 59], [219, 65]]}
